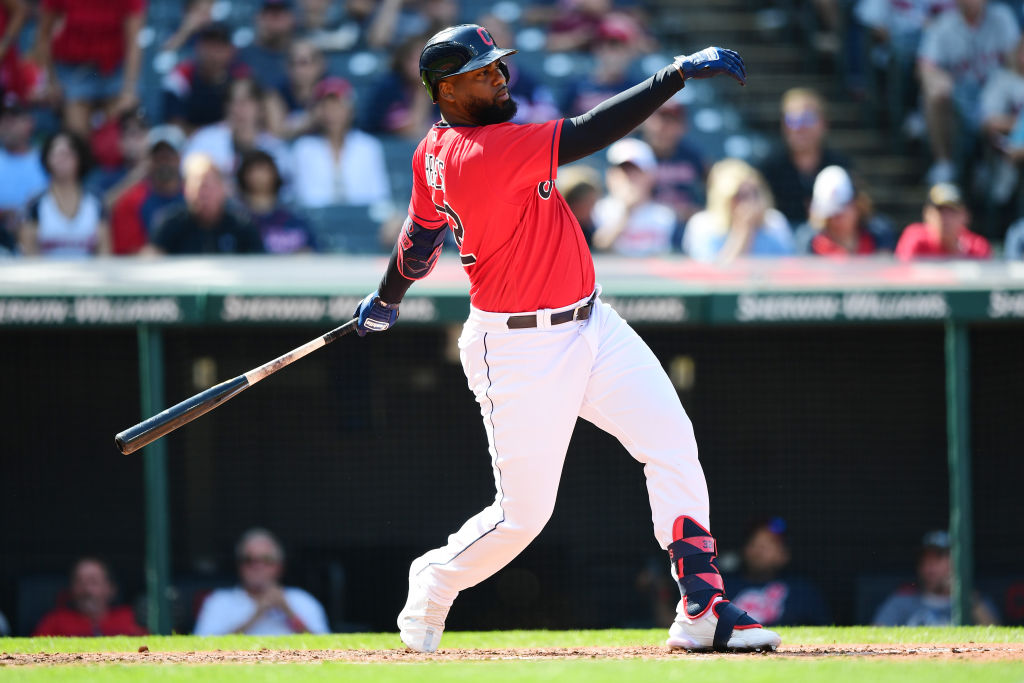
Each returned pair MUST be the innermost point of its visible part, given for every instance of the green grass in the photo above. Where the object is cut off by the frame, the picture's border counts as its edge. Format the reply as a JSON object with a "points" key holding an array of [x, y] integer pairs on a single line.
{"points": [[505, 639], [683, 668]]}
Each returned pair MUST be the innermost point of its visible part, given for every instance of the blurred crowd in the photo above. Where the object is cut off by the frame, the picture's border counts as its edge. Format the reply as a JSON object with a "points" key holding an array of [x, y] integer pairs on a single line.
{"points": [[253, 136], [758, 577]]}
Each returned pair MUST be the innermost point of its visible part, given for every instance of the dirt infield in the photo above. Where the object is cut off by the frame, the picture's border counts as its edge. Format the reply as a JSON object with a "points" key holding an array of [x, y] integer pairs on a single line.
{"points": [[959, 651]]}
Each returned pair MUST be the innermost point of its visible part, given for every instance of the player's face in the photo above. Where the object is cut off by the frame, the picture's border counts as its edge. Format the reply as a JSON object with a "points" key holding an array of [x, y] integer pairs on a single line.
{"points": [[483, 95]]}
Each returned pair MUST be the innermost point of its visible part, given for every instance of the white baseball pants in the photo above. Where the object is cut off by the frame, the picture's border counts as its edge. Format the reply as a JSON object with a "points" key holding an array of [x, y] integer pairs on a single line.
{"points": [[531, 385]]}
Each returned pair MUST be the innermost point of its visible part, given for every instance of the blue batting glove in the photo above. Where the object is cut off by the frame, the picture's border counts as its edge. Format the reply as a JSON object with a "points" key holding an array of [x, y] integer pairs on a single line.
{"points": [[710, 62], [374, 315]]}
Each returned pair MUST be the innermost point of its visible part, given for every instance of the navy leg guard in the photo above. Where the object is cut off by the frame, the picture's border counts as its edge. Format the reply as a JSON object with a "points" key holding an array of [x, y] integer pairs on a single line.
{"points": [[692, 552]]}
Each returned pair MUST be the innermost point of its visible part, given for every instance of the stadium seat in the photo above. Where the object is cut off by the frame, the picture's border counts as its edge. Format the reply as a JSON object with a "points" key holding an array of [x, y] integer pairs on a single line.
{"points": [[348, 229]]}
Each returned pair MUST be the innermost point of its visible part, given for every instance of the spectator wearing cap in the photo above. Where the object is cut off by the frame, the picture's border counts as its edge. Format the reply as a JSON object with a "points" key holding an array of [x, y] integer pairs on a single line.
{"points": [[958, 54], [66, 221], [259, 183], [791, 170], [20, 163], [90, 610], [628, 221], [766, 589], [740, 219], [290, 107], [267, 56], [841, 221], [241, 131], [679, 177], [260, 605], [340, 164], [205, 224], [398, 104], [90, 50], [928, 601], [944, 232], [134, 213], [196, 89], [616, 46]]}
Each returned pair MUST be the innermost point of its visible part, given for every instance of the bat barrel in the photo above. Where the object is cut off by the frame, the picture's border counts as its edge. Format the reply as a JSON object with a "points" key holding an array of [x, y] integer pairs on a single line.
{"points": [[148, 431]]}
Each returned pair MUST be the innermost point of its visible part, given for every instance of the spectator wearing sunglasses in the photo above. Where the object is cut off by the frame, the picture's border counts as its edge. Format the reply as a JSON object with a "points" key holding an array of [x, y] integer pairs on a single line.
{"points": [[260, 605], [791, 171]]}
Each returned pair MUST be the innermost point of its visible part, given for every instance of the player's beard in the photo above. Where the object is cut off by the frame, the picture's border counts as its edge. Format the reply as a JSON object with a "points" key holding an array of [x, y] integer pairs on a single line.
{"points": [[486, 112]]}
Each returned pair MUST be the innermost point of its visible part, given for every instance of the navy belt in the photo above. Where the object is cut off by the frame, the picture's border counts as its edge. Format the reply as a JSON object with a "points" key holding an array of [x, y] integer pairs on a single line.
{"points": [[519, 322]]}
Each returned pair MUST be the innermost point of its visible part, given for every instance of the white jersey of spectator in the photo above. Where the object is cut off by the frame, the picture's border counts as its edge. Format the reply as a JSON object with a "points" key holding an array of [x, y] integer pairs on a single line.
{"points": [[1013, 244], [225, 609], [22, 177], [648, 230], [1003, 95], [215, 142], [900, 17], [704, 236], [66, 236], [358, 176], [971, 53]]}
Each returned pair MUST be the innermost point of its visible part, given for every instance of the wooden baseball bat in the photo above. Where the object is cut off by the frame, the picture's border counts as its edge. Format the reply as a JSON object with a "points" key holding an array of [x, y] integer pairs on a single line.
{"points": [[148, 431]]}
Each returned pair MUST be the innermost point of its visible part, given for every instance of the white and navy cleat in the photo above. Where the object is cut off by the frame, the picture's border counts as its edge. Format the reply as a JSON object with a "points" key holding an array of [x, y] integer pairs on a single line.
{"points": [[722, 627]]}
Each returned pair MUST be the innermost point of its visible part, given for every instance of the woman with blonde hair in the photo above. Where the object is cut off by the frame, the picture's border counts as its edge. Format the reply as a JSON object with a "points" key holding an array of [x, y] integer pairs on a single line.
{"points": [[740, 218]]}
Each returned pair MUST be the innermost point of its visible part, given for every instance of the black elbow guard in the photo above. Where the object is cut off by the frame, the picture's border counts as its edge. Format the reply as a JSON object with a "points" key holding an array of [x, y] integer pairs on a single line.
{"points": [[418, 249]]}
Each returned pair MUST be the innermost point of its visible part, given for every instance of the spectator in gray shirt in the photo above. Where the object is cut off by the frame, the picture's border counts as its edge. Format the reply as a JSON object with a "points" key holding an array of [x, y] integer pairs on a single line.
{"points": [[958, 54], [928, 602]]}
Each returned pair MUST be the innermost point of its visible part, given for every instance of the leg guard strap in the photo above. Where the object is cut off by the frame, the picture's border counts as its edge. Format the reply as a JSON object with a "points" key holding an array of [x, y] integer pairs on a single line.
{"points": [[730, 617]]}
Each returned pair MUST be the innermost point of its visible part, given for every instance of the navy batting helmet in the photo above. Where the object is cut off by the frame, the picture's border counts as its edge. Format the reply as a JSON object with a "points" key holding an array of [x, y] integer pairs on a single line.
{"points": [[457, 50]]}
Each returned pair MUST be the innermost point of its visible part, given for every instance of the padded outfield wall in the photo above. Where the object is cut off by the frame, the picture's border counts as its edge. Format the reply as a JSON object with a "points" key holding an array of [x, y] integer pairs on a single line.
{"points": [[818, 392]]}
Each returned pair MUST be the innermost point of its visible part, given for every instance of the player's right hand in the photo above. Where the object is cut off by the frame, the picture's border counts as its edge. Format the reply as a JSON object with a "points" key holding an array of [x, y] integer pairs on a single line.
{"points": [[710, 62], [374, 315]]}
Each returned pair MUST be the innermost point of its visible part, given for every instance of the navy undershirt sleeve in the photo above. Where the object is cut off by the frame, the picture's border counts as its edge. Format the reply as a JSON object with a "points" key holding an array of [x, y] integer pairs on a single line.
{"points": [[617, 116]]}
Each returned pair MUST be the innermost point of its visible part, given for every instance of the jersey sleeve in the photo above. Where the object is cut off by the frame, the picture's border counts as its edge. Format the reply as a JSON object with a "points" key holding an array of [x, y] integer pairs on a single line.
{"points": [[523, 155], [421, 205]]}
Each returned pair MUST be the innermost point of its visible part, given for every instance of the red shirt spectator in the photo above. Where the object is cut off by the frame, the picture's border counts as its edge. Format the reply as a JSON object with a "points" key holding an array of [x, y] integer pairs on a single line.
{"points": [[64, 621], [824, 246], [89, 612], [92, 30], [918, 241], [944, 231]]}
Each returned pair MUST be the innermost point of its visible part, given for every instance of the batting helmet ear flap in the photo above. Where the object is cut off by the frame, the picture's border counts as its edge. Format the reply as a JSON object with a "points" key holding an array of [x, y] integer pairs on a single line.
{"points": [[504, 70]]}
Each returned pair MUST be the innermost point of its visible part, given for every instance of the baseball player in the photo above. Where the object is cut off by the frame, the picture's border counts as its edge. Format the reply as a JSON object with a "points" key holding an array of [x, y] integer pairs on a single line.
{"points": [[539, 347]]}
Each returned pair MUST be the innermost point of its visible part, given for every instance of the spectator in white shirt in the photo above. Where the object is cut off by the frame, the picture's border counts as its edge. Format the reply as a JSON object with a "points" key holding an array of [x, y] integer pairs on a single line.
{"points": [[260, 605], [241, 131], [628, 221], [340, 165]]}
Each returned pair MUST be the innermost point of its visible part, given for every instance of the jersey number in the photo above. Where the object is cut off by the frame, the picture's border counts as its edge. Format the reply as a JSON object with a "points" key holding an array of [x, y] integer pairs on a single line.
{"points": [[458, 230]]}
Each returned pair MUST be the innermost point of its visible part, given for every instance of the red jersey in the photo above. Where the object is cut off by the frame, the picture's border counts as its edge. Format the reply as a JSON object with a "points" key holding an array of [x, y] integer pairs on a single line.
{"points": [[92, 31], [917, 242], [495, 187], [119, 621], [823, 246]]}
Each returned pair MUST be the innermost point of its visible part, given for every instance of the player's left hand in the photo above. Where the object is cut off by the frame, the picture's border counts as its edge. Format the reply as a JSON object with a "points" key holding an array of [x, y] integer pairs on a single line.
{"points": [[375, 315], [712, 61]]}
